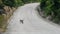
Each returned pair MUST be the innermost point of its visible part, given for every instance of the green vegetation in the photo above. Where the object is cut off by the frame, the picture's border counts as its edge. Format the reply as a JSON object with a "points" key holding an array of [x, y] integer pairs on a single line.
{"points": [[16, 3], [2, 23], [51, 8], [1, 20]]}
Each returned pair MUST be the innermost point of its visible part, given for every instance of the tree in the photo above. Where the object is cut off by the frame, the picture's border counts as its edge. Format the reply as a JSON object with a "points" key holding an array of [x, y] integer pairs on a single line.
{"points": [[52, 8], [10, 3], [18, 3]]}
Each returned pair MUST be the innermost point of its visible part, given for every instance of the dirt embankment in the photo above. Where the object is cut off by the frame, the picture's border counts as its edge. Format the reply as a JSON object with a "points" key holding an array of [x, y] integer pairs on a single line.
{"points": [[4, 17]]}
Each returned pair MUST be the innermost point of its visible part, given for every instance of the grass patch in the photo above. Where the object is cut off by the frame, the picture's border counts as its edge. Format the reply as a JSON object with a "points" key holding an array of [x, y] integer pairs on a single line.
{"points": [[1, 20], [2, 23]]}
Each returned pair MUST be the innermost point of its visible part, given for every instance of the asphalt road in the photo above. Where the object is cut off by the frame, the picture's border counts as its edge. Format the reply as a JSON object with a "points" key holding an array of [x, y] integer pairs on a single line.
{"points": [[32, 22]]}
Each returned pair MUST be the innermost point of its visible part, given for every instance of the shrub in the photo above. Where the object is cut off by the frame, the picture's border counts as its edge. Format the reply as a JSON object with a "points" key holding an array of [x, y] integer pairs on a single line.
{"points": [[10, 3], [52, 8]]}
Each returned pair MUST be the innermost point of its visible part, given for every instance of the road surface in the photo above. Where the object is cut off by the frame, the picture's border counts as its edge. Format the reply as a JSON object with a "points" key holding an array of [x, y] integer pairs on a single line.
{"points": [[32, 22]]}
